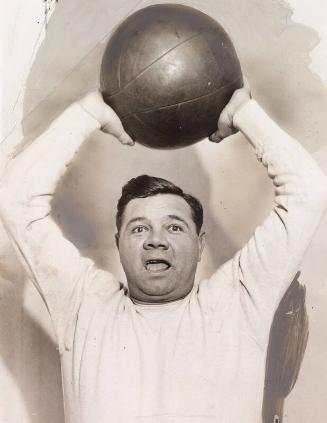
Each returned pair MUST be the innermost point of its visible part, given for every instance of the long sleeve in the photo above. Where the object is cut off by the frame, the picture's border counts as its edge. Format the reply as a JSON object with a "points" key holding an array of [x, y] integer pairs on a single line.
{"points": [[264, 268], [53, 263]]}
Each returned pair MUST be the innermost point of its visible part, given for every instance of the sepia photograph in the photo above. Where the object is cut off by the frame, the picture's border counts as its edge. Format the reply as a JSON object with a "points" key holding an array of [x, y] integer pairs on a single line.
{"points": [[163, 191]]}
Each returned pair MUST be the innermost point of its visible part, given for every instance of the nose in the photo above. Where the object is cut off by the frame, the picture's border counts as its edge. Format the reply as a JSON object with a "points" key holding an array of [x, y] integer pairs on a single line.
{"points": [[155, 240]]}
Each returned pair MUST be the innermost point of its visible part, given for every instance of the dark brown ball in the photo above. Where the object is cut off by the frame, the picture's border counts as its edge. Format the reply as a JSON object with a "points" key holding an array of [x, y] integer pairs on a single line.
{"points": [[168, 71]]}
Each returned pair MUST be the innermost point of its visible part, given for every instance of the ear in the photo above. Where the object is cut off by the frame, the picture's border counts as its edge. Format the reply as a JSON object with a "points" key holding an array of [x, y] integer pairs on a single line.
{"points": [[201, 240], [117, 240]]}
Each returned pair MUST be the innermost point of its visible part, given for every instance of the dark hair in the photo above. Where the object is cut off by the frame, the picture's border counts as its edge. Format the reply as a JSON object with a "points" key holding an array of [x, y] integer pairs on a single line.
{"points": [[147, 186]]}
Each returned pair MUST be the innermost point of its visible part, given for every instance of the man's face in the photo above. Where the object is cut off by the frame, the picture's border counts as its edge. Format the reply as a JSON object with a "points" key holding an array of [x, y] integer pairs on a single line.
{"points": [[159, 248]]}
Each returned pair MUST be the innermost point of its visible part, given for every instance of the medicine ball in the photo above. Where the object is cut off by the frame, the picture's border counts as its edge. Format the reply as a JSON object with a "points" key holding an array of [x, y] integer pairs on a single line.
{"points": [[168, 71]]}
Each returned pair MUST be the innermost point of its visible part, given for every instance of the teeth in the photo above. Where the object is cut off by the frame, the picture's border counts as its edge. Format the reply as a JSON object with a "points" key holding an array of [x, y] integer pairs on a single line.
{"points": [[156, 265], [157, 261]]}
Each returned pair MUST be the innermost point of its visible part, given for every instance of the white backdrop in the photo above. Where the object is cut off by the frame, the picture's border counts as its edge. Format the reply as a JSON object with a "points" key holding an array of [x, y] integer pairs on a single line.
{"points": [[49, 59]]}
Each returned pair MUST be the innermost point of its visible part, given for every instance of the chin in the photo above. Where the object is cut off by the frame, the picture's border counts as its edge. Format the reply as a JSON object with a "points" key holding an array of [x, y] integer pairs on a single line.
{"points": [[158, 290], [159, 294], [151, 293]]}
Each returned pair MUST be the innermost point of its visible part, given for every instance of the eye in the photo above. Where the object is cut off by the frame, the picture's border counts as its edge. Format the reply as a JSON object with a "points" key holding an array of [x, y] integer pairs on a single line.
{"points": [[139, 229], [175, 228]]}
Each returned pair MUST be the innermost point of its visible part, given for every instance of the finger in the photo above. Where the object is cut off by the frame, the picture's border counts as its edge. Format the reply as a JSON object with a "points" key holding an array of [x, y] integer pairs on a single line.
{"points": [[215, 137], [118, 132], [115, 128], [225, 124], [126, 140]]}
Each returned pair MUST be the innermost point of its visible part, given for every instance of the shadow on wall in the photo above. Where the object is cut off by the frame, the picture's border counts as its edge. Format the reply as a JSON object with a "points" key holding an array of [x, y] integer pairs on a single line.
{"points": [[27, 351], [274, 52]]}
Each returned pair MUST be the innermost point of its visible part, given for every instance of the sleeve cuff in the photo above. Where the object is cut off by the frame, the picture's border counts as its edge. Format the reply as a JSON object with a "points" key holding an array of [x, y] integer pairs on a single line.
{"points": [[261, 131]]}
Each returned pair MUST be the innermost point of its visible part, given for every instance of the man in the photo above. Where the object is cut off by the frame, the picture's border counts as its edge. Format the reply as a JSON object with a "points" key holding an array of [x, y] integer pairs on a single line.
{"points": [[168, 350]]}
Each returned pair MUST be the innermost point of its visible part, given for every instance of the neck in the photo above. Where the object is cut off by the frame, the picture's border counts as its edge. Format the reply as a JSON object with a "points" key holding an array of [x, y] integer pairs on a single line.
{"points": [[157, 302]]}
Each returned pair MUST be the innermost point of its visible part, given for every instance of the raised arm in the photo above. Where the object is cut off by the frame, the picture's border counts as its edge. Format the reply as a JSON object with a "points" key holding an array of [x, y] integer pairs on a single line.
{"points": [[53, 263], [267, 264]]}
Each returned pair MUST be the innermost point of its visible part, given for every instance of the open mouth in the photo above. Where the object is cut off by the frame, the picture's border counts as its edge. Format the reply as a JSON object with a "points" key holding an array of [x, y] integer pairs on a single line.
{"points": [[157, 265]]}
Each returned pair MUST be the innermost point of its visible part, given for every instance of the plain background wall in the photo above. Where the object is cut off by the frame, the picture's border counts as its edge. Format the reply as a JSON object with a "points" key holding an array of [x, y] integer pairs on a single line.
{"points": [[50, 59]]}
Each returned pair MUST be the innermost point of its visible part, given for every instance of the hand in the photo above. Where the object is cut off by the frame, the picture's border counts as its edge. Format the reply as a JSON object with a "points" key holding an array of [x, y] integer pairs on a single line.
{"points": [[110, 123], [225, 121]]}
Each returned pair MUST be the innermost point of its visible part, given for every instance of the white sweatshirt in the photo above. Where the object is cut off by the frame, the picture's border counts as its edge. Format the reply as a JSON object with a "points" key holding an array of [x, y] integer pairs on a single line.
{"points": [[197, 360]]}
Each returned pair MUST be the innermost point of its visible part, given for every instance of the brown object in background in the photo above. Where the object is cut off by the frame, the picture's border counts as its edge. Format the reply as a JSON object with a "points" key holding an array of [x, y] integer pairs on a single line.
{"points": [[287, 343]]}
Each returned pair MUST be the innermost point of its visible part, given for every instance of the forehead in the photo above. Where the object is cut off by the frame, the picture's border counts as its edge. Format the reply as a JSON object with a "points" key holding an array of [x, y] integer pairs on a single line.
{"points": [[157, 207]]}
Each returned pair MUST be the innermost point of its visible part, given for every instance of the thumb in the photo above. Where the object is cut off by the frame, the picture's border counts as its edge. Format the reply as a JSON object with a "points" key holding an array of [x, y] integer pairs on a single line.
{"points": [[113, 126], [121, 135], [225, 123], [225, 126], [110, 123]]}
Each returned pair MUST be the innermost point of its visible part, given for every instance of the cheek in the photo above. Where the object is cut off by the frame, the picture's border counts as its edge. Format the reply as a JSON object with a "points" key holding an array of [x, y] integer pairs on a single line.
{"points": [[187, 250], [129, 251]]}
